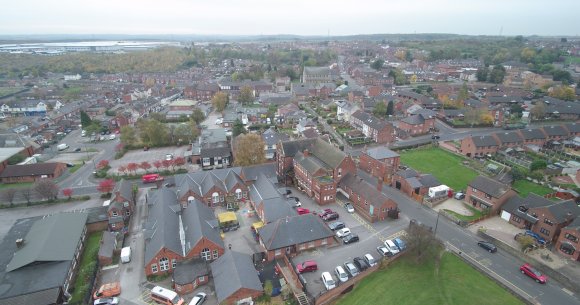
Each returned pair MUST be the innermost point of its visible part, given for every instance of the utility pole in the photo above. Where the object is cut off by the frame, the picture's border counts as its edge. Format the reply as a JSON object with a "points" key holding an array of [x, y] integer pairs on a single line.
{"points": [[436, 223]]}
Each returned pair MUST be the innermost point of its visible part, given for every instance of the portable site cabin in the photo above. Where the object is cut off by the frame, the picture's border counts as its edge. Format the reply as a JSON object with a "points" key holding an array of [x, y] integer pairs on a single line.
{"points": [[228, 221], [438, 191]]}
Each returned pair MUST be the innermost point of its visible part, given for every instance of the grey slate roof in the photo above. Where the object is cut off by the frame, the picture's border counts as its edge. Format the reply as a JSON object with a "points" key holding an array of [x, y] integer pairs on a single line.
{"points": [[532, 134], [370, 120], [327, 153], [489, 186], [232, 272], [263, 189], [504, 99], [407, 173], [573, 127], [364, 189], [414, 182], [51, 239], [276, 208], [311, 163], [565, 210], [125, 189], [162, 226], [429, 180], [199, 222], [293, 230], [186, 272], [107, 244], [484, 141], [381, 152], [271, 137], [555, 130], [290, 148], [36, 169], [509, 137], [574, 224], [416, 119]]}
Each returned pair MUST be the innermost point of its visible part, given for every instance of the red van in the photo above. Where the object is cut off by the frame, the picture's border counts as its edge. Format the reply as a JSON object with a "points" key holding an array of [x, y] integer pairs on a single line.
{"points": [[150, 178]]}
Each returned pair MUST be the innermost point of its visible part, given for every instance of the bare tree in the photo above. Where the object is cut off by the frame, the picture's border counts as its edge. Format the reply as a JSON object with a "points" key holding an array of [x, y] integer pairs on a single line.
{"points": [[46, 189], [8, 195], [423, 244], [27, 194]]}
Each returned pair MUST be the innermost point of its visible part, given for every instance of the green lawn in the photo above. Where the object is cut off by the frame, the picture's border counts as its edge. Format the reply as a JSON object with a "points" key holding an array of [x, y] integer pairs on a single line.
{"points": [[445, 166], [75, 168], [524, 187], [406, 283], [15, 185], [572, 60], [86, 268]]}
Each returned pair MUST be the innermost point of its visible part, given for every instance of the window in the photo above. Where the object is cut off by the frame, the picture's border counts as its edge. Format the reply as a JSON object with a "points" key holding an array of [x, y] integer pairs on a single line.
{"points": [[571, 237], [474, 190], [340, 172], [128, 213], [164, 264], [545, 232], [206, 254], [238, 194], [516, 219], [154, 268], [548, 222], [215, 197], [567, 249], [114, 213], [277, 252], [311, 244], [215, 254], [173, 263], [323, 242]]}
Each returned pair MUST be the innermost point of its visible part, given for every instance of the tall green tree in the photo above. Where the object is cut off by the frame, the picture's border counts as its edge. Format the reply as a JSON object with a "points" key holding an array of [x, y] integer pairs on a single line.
{"points": [[463, 93], [219, 101], [481, 74], [85, 119], [238, 128], [377, 64], [246, 95], [390, 108], [380, 110], [197, 116], [128, 136], [497, 74]]}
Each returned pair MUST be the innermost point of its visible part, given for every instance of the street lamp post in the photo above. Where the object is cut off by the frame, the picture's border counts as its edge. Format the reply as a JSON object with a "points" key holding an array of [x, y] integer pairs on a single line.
{"points": [[436, 223]]}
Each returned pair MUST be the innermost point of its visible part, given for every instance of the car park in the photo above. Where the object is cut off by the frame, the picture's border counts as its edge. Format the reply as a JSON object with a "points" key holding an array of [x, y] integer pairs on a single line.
{"points": [[401, 245], [384, 251], [360, 263], [530, 271], [337, 225], [341, 274], [350, 238], [370, 259], [487, 246], [349, 208], [390, 245], [330, 216], [302, 211], [106, 301], [351, 269], [307, 266], [342, 232], [328, 281], [198, 298]]}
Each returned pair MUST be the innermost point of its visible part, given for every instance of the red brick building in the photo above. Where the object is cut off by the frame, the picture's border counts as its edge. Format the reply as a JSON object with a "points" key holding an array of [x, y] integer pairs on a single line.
{"points": [[380, 162], [32, 172], [235, 278], [533, 137], [417, 124], [201, 92], [484, 193], [190, 274], [378, 130], [568, 243], [413, 184], [368, 200], [508, 139], [479, 146], [213, 190]]}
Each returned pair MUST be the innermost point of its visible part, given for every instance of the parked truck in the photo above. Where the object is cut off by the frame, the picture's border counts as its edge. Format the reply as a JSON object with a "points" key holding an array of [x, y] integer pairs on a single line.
{"points": [[126, 255], [62, 146]]}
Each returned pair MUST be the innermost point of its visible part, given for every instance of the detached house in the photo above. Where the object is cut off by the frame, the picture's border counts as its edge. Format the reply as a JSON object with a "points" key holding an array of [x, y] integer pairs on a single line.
{"points": [[479, 146], [417, 124], [487, 194], [378, 130], [380, 162], [176, 232]]}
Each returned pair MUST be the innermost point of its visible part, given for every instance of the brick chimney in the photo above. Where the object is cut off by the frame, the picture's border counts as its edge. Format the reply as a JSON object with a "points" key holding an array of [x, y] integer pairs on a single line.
{"points": [[19, 243], [379, 184], [306, 153]]}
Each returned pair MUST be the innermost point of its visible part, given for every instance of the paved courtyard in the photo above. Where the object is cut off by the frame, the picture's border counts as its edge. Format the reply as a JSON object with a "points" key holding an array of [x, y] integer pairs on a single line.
{"points": [[454, 205]]}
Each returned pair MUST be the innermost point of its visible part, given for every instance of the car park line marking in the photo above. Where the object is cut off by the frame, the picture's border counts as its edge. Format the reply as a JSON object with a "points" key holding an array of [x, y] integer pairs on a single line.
{"points": [[568, 291], [487, 269]]}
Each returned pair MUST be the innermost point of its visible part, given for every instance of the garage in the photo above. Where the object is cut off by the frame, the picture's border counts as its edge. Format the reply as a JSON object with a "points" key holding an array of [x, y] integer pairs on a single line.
{"points": [[505, 215]]}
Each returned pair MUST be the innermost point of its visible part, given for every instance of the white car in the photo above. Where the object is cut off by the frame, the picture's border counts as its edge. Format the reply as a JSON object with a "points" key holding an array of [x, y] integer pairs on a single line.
{"points": [[349, 208], [106, 301], [341, 274], [342, 232], [219, 121], [198, 299], [390, 245], [328, 281], [383, 251], [370, 259], [169, 157]]}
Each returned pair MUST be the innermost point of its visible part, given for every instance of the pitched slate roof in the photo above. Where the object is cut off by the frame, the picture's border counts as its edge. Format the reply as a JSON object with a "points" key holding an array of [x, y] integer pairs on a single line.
{"points": [[310, 133], [276, 208], [232, 272], [417, 119], [293, 230], [187, 271], [37, 169], [311, 163], [532, 134], [107, 244], [429, 180], [290, 148], [363, 188], [380, 153], [327, 153], [555, 130], [263, 189], [162, 226], [370, 120], [574, 225], [407, 173], [200, 222], [125, 189], [232, 179], [271, 137], [520, 206], [565, 210], [573, 127], [484, 141], [509, 137], [51, 239], [489, 186], [505, 99]]}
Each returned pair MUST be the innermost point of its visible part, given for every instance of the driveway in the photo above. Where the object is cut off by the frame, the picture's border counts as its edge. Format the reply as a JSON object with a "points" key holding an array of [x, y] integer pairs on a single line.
{"points": [[454, 205]]}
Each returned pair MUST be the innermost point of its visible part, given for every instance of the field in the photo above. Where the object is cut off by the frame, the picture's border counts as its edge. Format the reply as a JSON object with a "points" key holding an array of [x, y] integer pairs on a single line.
{"points": [[406, 283], [524, 187], [445, 166]]}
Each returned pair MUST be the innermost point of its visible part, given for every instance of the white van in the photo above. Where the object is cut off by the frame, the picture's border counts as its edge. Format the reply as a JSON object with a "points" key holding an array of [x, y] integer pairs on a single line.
{"points": [[126, 255]]}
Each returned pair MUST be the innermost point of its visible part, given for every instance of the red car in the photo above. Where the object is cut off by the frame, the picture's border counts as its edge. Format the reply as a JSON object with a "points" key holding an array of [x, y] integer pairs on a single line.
{"points": [[307, 266], [302, 211], [324, 212], [533, 273]]}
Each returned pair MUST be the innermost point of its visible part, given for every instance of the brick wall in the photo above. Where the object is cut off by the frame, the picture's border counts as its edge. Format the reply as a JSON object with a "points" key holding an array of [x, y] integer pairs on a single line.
{"points": [[155, 260], [241, 293]]}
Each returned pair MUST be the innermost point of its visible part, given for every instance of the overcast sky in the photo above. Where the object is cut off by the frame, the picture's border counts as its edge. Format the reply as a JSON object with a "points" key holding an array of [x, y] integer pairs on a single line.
{"points": [[302, 17]]}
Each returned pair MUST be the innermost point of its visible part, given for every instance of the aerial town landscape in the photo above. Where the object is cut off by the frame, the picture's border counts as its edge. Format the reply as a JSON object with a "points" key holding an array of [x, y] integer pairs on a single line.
{"points": [[289, 169]]}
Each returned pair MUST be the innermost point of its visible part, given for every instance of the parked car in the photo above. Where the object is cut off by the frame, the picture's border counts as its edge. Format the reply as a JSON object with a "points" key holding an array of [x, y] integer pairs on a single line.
{"points": [[337, 225], [370, 259], [390, 245], [360, 263], [307, 266], [288, 192], [351, 269], [530, 271], [435, 137], [328, 281], [536, 236], [459, 195], [324, 212], [342, 232], [350, 238], [198, 298], [106, 301], [78, 149], [330, 216], [384, 251], [349, 208], [302, 211], [341, 274], [169, 157], [400, 244], [487, 246]]}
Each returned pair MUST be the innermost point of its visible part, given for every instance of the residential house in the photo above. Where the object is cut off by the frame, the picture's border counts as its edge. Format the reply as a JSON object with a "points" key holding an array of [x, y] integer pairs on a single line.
{"points": [[533, 137], [293, 235], [380, 162], [201, 91], [378, 130], [479, 146], [271, 139], [486, 194], [32, 172], [568, 243], [121, 206], [555, 133], [235, 278], [305, 124], [213, 149], [40, 257], [508, 139], [310, 133], [345, 109], [176, 232], [368, 200], [25, 108], [417, 124], [573, 129]]}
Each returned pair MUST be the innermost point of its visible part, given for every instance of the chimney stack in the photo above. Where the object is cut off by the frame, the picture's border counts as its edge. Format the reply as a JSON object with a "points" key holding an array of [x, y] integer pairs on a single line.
{"points": [[306, 153], [19, 243]]}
